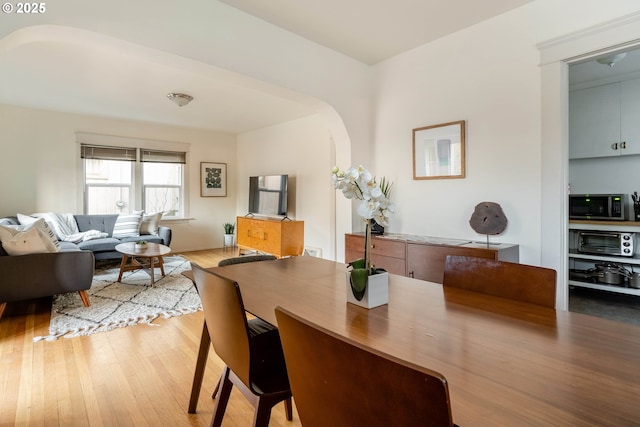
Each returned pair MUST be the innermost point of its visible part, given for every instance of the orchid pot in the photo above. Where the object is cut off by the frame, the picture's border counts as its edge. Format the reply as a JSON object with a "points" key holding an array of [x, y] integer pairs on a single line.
{"points": [[367, 286]]}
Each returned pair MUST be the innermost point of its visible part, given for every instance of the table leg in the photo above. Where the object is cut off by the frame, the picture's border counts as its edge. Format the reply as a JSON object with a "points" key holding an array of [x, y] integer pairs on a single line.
{"points": [[161, 264], [151, 270], [203, 353], [123, 263]]}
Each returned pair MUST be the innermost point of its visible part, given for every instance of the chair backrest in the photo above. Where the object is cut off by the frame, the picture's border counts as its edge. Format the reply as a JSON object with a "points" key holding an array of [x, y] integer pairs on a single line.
{"points": [[527, 283], [226, 320], [338, 382], [245, 258]]}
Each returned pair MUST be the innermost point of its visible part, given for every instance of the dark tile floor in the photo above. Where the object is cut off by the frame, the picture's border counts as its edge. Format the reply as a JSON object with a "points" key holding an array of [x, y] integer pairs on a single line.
{"points": [[610, 305]]}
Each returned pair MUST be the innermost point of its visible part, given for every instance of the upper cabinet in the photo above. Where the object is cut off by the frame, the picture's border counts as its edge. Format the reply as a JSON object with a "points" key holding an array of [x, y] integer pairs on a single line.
{"points": [[604, 121], [630, 117]]}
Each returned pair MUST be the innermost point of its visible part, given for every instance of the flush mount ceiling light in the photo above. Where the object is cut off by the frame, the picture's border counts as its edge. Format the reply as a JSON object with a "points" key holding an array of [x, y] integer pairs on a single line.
{"points": [[611, 60], [181, 99]]}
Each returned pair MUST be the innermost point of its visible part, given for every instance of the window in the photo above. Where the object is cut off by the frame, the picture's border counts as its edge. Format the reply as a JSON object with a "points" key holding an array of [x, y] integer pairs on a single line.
{"points": [[119, 179]]}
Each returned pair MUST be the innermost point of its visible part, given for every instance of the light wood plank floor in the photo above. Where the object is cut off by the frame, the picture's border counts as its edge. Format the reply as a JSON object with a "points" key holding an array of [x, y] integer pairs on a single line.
{"points": [[134, 376]]}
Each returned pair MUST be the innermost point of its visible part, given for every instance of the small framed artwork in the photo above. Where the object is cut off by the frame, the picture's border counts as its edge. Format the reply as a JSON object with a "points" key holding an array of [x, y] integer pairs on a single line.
{"points": [[213, 179], [438, 151]]}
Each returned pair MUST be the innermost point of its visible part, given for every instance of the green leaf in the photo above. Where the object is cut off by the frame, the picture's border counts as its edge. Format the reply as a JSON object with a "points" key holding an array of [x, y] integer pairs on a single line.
{"points": [[359, 278]]}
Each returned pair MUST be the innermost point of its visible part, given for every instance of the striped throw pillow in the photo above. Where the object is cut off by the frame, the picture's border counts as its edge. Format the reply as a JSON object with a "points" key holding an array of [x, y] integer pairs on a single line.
{"points": [[127, 225]]}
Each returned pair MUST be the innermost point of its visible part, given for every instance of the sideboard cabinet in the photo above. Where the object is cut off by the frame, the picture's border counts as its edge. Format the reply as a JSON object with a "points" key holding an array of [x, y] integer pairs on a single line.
{"points": [[422, 257], [272, 236]]}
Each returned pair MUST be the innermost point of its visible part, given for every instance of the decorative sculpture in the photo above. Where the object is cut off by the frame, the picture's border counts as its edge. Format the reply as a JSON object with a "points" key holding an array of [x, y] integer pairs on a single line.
{"points": [[488, 218]]}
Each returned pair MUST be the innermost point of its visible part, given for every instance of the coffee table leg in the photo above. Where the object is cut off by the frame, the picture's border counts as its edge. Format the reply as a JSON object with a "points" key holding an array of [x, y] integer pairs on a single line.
{"points": [[161, 264], [122, 266], [151, 269]]}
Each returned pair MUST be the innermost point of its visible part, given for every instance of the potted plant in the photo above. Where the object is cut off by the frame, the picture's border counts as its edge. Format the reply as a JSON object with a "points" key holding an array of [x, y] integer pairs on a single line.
{"points": [[358, 183], [140, 245], [228, 233]]}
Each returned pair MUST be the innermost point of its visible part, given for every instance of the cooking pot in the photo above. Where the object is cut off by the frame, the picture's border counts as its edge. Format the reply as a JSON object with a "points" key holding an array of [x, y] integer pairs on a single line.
{"points": [[634, 280], [612, 274]]}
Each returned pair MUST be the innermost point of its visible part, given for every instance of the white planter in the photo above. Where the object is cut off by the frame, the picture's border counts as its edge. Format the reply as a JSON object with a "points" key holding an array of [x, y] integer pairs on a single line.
{"points": [[139, 248], [376, 293], [228, 239]]}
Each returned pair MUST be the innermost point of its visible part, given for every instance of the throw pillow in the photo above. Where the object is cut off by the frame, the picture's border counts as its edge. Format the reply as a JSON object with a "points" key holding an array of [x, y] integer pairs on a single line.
{"points": [[150, 223], [26, 219], [127, 225], [36, 237]]}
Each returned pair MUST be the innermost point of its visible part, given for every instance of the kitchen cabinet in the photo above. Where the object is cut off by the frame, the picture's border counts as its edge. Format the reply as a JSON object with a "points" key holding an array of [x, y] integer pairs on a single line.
{"points": [[272, 236], [581, 262], [630, 117], [422, 257], [604, 121], [594, 121]]}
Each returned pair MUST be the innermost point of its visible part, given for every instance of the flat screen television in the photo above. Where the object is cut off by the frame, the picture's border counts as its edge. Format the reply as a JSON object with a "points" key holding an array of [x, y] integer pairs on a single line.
{"points": [[268, 195]]}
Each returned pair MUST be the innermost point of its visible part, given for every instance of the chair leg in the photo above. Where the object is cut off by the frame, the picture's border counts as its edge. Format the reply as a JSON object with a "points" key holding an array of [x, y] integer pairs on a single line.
{"points": [[223, 399], [288, 409], [201, 362], [263, 412]]}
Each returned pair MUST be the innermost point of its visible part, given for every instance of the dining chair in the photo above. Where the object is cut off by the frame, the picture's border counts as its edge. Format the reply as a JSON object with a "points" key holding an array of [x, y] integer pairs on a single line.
{"points": [[340, 383], [522, 282], [205, 340], [246, 258], [252, 354]]}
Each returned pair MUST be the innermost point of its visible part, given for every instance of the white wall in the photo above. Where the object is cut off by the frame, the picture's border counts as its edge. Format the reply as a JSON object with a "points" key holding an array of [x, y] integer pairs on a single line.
{"points": [[492, 82], [488, 75], [303, 149], [39, 168]]}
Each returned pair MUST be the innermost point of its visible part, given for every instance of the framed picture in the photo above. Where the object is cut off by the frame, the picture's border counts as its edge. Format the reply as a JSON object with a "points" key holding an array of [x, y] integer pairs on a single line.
{"points": [[438, 151], [213, 179]]}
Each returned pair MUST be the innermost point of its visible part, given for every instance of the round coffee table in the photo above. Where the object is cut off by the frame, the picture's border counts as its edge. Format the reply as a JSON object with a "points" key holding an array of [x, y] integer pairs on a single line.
{"points": [[148, 258]]}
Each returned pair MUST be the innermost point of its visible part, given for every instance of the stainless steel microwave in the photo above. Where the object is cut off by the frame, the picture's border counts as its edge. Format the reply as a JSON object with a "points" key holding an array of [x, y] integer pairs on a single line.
{"points": [[598, 206]]}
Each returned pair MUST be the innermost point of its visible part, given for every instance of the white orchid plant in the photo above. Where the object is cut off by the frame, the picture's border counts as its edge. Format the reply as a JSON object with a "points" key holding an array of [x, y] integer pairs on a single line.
{"points": [[358, 183]]}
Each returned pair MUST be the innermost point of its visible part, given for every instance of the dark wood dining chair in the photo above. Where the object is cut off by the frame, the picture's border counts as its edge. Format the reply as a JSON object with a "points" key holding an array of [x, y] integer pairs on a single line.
{"points": [[246, 258], [252, 355], [205, 340], [527, 283], [340, 383]]}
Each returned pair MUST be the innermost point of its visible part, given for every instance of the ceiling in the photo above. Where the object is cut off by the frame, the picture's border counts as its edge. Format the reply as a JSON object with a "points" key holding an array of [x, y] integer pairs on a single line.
{"points": [[591, 70], [124, 80]]}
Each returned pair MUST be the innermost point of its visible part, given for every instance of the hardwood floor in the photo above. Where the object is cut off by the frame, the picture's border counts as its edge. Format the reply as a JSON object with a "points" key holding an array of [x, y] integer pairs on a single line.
{"points": [[134, 376]]}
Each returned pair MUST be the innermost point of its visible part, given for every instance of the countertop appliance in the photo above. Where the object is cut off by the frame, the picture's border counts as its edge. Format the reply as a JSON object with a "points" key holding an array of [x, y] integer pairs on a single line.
{"points": [[606, 243], [598, 206]]}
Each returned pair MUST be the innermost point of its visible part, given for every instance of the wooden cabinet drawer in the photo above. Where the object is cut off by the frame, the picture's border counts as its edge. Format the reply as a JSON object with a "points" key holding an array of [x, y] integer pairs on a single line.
{"points": [[387, 254], [379, 246]]}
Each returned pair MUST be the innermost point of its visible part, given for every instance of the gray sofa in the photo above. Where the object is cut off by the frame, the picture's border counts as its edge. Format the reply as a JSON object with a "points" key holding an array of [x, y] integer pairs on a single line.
{"points": [[70, 270]]}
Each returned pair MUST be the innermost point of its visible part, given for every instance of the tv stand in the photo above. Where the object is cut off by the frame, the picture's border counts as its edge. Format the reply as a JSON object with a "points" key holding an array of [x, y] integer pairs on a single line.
{"points": [[272, 236]]}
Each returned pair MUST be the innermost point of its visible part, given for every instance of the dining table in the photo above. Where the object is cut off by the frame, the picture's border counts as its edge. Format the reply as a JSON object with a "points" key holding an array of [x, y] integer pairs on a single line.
{"points": [[507, 363]]}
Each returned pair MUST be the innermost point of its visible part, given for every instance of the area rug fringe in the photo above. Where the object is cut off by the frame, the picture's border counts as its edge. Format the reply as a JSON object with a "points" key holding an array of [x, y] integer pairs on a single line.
{"points": [[70, 319]]}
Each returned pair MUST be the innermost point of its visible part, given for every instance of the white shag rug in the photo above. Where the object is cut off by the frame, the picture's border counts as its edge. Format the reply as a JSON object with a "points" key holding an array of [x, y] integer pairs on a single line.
{"points": [[117, 305]]}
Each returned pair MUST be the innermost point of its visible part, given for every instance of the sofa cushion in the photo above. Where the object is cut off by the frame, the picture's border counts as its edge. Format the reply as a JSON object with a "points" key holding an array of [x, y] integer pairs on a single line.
{"points": [[127, 225], [35, 237], [150, 223], [68, 247], [103, 223], [99, 245]]}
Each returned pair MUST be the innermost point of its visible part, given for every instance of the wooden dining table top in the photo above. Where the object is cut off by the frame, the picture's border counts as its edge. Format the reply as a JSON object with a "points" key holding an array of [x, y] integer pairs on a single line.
{"points": [[507, 363]]}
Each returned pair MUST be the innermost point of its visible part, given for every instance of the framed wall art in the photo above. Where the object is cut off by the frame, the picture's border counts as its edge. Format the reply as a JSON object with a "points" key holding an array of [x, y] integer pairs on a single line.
{"points": [[213, 179], [438, 151]]}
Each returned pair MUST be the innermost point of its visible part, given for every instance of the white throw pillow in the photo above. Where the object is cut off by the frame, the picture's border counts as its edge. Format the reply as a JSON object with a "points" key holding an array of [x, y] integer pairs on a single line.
{"points": [[150, 223], [127, 225], [36, 237]]}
